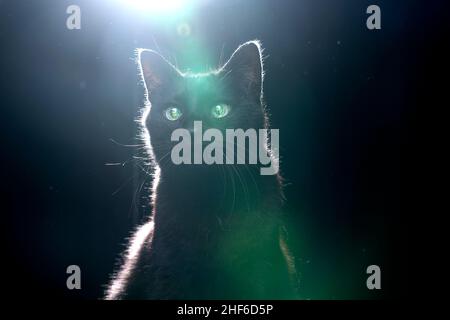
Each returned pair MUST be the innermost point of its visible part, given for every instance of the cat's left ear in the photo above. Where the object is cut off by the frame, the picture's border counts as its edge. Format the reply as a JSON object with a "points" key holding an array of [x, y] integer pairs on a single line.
{"points": [[245, 67], [155, 69]]}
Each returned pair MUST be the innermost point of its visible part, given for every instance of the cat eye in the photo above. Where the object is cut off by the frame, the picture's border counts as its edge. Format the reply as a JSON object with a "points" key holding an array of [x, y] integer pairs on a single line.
{"points": [[173, 113], [220, 110]]}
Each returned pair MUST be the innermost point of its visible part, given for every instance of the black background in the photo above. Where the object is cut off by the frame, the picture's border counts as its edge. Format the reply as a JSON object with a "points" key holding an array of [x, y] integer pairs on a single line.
{"points": [[338, 92]]}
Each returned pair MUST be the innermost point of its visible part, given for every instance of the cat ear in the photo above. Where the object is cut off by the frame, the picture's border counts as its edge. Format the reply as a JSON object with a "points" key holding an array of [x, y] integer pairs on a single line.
{"points": [[245, 67], [155, 69]]}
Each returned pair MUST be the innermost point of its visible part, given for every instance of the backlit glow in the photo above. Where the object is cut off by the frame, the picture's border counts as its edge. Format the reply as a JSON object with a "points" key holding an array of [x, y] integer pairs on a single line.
{"points": [[157, 6]]}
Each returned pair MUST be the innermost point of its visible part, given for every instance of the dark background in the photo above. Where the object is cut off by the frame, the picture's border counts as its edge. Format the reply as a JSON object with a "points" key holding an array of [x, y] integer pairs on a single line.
{"points": [[338, 92]]}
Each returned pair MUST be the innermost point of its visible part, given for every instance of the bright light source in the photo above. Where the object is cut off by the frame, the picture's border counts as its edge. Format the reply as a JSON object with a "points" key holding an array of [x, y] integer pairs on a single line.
{"points": [[157, 6]]}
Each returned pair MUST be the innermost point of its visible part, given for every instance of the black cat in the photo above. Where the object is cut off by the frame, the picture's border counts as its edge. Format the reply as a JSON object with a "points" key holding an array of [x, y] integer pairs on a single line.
{"points": [[216, 231]]}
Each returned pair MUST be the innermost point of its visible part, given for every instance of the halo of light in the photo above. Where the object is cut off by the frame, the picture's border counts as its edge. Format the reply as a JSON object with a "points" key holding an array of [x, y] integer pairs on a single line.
{"points": [[157, 6]]}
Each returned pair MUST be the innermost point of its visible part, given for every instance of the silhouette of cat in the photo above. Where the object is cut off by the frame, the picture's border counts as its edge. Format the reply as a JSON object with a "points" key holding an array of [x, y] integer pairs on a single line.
{"points": [[216, 231]]}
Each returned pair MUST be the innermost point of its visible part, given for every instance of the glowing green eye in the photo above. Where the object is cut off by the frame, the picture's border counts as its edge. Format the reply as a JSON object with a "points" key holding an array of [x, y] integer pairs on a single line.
{"points": [[173, 113], [220, 110]]}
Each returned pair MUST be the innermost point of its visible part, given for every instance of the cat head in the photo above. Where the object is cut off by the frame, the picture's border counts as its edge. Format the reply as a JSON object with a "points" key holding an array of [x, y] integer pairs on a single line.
{"points": [[227, 98]]}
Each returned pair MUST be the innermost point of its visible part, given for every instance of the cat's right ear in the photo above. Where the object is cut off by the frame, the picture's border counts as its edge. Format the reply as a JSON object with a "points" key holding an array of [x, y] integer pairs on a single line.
{"points": [[155, 69]]}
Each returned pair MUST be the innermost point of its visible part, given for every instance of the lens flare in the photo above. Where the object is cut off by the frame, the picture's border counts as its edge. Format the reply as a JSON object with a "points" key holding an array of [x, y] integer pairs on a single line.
{"points": [[157, 6]]}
